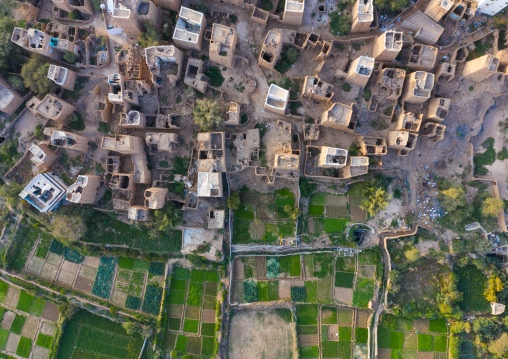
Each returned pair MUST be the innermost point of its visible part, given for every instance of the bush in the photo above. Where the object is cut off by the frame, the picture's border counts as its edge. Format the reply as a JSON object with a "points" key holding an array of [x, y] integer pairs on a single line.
{"points": [[75, 15], [340, 23], [306, 187], [346, 87], [391, 6], [215, 76], [70, 57], [207, 115], [287, 59], [266, 5], [104, 127]]}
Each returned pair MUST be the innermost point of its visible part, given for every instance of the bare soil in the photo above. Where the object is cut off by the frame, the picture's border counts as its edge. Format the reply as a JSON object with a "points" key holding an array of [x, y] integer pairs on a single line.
{"points": [[30, 328], [12, 296], [51, 312], [343, 295], [83, 284], [362, 318], [257, 335]]}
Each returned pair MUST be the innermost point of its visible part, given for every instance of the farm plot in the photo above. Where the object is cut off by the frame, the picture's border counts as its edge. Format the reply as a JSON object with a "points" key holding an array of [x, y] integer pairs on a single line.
{"points": [[135, 277], [327, 331], [344, 279], [355, 202], [89, 336], [328, 213], [262, 217], [472, 282], [192, 311], [22, 330], [54, 261], [105, 229], [270, 278], [262, 334], [406, 338]]}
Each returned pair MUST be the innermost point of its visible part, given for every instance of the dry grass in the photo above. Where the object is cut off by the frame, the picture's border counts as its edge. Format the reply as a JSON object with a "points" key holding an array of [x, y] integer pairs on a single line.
{"points": [[261, 335]]}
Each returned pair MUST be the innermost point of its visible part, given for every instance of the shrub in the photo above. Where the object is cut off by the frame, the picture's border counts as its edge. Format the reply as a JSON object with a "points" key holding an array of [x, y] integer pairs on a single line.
{"points": [[70, 57], [207, 115], [214, 75], [340, 23], [104, 127], [75, 15], [346, 87], [287, 59]]}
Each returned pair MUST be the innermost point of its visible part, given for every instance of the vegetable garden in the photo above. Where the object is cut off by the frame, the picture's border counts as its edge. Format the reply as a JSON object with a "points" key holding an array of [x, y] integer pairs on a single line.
{"points": [[306, 278], [300, 278], [27, 323], [342, 331], [403, 338], [262, 218], [193, 312], [136, 277], [89, 336]]}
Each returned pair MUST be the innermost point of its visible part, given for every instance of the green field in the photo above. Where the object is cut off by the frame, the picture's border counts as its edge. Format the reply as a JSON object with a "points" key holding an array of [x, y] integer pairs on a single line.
{"points": [[191, 326], [472, 282], [262, 217], [89, 336]]}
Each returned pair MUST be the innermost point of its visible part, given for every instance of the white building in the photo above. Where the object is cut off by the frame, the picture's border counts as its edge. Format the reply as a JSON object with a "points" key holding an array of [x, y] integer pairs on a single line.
{"points": [[491, 7], [44, 192]]}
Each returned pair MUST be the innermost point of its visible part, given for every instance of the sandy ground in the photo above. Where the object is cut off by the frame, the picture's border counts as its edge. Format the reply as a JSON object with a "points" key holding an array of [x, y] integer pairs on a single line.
{"points": [[195, 237], [257, 335], [490, 128]]}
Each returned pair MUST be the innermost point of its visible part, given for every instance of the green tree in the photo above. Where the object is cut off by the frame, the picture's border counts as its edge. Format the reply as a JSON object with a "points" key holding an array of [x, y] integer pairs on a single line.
{"points": [[167, 218], [452, 198], [487, 329], [375, 198], [17, 83], [207, 115], [35, 75], [492, 206], [499, 346], [151, 36], [75, 15], [293, 212], [234, 200], [412, 254], [8, 50], [10, 192], [70, 57]]}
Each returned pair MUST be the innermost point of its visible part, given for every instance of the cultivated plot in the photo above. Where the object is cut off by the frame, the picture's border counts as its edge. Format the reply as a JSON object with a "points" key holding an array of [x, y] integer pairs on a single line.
{"points": [[193, 310]]}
